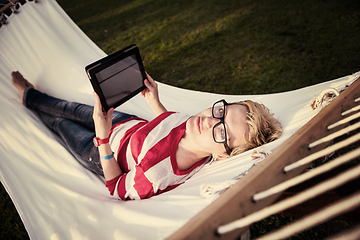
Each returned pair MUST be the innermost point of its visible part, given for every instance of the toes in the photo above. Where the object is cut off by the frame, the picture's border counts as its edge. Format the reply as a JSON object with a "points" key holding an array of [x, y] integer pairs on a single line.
{"points": [[16, 74], [19, 81]]}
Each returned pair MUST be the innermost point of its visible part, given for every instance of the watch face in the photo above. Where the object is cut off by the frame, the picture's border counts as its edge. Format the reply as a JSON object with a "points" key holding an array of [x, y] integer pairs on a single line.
{"points": [[95, 142]]}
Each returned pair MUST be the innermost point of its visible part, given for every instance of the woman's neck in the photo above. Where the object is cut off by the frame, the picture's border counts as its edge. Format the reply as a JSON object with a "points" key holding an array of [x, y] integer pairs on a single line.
{"points": [[186, 156]]}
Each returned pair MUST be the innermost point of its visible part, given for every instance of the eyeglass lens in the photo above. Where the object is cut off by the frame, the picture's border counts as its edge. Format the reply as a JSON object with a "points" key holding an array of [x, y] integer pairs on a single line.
{"points": [[218, 110], [219, 130]]}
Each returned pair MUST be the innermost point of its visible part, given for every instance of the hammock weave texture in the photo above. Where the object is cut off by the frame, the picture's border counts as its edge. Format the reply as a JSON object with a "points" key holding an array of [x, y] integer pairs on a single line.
{"points": [[57, 198]]}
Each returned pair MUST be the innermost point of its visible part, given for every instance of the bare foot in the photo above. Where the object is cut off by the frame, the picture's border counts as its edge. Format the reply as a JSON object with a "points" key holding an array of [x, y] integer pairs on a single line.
{"points": [[20, 83]]}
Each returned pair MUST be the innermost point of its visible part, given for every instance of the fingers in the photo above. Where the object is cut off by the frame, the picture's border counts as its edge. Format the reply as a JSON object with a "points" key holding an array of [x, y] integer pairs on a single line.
{"points": [[147, 89], [147, 83], [151, 81], [97, 106], [151, 91], [143, 92], [109, 114], [151, 86], [149, 77], [98, 110], [97, 99]]}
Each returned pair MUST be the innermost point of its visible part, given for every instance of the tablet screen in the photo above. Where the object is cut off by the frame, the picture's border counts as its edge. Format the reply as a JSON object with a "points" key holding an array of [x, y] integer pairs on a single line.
{"points": [[117, 77], [114, 80]]}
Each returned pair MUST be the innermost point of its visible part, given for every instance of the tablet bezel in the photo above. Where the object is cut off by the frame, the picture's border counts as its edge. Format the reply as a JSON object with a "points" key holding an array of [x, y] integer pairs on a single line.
{"points": [[94, 68]]}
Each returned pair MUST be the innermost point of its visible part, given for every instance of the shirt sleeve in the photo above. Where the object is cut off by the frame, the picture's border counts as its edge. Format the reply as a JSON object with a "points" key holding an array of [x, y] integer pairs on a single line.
{"points": [[131, 186]]}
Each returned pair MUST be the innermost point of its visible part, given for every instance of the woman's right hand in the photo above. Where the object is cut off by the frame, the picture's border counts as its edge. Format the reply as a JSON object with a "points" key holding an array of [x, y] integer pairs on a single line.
{"points": [[103, 122]]}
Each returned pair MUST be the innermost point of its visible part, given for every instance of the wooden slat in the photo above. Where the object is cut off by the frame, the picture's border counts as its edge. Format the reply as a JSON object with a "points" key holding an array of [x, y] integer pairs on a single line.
{"points": [[325, 199], [236, 202], [353, 234], [309, 175], [345, 205], [302, 197]]}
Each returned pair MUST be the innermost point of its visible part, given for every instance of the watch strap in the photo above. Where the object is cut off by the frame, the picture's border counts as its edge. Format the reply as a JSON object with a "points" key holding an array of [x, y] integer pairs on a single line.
{"points": [[97, 141], [103, 141]]}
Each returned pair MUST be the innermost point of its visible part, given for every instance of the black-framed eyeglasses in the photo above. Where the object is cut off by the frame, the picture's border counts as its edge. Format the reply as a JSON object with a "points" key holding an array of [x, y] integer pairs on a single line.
{"points": [[219, 130]]}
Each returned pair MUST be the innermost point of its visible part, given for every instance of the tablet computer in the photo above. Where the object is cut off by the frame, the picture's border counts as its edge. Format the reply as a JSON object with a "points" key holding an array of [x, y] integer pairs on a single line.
{"points": [[117, 77]]}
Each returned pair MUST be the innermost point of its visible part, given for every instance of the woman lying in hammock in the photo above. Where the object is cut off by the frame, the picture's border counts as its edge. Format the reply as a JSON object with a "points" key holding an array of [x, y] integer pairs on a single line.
{"points": [[141, 158]]}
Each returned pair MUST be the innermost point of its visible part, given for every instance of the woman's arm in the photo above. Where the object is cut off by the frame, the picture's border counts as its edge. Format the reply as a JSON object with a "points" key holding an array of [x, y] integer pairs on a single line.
{"points": [[151, 95], [103, 124]]}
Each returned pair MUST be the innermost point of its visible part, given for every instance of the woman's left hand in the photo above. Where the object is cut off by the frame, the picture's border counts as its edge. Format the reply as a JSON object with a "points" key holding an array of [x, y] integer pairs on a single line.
{"points": [[102, 121], [151, 95]]}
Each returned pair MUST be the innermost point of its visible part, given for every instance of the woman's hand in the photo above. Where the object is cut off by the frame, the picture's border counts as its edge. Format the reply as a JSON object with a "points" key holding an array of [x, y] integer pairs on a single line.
{"points": [[151, 95], [151, 92], [103, 122]]}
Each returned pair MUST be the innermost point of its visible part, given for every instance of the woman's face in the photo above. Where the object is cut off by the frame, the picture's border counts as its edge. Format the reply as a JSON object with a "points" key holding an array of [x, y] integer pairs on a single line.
{"points": [[199, 129]]}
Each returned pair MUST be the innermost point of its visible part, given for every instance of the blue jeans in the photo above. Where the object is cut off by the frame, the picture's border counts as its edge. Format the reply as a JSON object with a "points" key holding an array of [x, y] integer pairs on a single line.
{"points": [[73, 123]]}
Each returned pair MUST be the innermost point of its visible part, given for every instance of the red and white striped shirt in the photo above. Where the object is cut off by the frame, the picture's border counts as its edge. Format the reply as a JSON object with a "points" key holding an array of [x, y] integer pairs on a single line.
{"points": [[146, 153]]}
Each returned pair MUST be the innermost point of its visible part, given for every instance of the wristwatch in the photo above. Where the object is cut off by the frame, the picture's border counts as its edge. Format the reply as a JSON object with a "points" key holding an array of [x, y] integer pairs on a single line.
{"points": [[97, 141]]}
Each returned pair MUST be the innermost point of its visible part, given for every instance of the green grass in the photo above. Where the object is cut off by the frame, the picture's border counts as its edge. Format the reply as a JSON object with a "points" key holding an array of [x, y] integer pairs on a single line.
{"points": [[232, 47], [321, 231], [11, 227], [228, 47]]}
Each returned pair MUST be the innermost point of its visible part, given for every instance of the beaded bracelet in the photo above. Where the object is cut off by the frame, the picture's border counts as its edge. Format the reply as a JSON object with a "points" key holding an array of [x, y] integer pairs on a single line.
{"points": [[107, 157]]}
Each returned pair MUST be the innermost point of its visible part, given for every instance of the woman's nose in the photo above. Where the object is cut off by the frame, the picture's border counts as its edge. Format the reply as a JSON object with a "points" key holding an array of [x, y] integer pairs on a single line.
{"points": [[211, 121]]}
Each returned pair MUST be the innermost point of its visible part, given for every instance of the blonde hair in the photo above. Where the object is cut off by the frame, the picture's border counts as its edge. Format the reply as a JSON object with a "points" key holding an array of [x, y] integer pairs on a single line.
{"points": [[263, 127]]}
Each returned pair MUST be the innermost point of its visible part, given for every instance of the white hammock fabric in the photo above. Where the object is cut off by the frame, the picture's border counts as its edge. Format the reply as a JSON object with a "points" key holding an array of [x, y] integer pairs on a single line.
{"points": [[56, 197]]}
